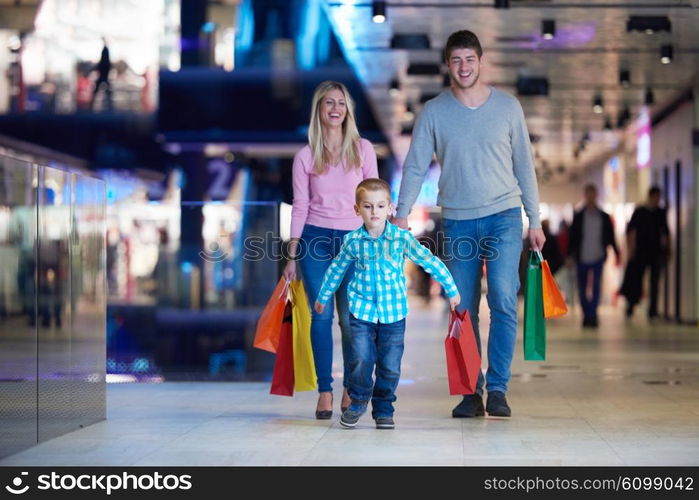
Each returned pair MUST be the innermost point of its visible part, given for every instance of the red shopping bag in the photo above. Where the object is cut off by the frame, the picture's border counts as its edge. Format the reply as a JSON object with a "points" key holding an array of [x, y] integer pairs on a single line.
{"points": [[463, 359], [270, 323], [283, 376]]}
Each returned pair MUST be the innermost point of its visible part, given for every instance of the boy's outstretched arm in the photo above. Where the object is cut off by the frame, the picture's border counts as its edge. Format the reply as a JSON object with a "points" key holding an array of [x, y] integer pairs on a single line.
{"points": [[435, 267], [333, 276]]}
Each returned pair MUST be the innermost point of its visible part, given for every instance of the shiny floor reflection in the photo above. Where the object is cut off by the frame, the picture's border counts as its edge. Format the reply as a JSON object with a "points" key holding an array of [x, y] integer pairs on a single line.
{"points": [[627, 393]]}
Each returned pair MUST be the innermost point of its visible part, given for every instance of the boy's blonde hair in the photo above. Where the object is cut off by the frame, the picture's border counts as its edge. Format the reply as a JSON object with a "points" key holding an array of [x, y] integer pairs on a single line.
{"points": [[372, 184]]}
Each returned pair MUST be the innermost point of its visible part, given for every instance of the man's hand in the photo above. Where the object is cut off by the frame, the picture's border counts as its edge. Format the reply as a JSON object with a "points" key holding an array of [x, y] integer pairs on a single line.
{"points": [[319, 308], [401, 222], [454, 301], [537, 239]]}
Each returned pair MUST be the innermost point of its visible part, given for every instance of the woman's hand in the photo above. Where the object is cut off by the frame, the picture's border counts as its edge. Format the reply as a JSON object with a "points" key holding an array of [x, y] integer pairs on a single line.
{"points": [[290, 270], [319, 308]]}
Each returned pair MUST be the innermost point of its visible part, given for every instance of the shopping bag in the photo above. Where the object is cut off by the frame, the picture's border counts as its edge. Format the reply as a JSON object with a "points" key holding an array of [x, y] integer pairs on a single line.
{"points": [[554, 303], [463, 358], [270, 323], [283, 375], [304, 366], [534, 322]]}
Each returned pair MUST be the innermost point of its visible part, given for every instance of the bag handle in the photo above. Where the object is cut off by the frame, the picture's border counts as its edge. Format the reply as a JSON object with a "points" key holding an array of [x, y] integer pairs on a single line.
{"points": [[535, 257], [454, 315]]}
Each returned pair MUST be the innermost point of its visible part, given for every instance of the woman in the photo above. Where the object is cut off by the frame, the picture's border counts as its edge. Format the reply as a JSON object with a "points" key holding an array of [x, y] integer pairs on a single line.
{"points": [[326, 173]]}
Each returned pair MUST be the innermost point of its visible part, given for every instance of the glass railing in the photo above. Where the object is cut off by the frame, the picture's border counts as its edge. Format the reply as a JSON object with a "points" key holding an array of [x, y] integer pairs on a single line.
{"points": [[52, 302]]}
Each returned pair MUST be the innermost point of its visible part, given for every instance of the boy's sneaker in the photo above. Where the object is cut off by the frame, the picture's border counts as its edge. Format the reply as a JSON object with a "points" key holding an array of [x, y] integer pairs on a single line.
{"points": [[497, 405], [351, 415], [471, 406], [385, 423]]}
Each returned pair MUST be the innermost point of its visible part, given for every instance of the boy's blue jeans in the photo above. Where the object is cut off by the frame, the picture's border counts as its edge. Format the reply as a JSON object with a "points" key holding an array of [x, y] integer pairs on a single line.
{"points": [[377, 345], [317, 249], [497, 240]]}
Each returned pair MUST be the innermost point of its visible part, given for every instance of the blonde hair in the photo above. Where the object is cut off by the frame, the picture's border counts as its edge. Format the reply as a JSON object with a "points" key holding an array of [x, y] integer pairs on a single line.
{"points": [[350, 135], [371, 184]]}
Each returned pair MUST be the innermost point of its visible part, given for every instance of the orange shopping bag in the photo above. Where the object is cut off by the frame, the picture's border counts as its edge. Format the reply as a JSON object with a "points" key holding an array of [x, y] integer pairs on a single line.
{"points": [[554, 303], [269, 326], [463, 358]]}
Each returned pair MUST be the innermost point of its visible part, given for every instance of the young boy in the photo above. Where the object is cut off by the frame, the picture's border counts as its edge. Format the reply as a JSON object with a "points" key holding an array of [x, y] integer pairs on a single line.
{"points": [[378, 300]]}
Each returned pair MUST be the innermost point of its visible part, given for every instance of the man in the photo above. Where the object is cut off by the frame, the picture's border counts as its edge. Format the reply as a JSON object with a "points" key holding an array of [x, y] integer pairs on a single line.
{"points": [[648, 242], [103, 67], [482, 144], [590, 235]]}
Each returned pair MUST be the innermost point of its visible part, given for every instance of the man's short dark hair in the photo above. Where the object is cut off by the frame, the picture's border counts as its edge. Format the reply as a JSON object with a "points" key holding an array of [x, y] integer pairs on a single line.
{"points": [[463, 39], [654, 191], [590, 187]]}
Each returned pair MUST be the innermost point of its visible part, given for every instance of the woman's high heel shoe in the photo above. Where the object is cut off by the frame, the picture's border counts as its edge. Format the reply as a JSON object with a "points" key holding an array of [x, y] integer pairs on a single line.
{"points": [[325, 414], [344, 408]]}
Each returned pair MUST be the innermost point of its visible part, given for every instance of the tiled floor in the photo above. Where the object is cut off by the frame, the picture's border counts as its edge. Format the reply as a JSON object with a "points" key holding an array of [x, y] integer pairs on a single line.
{"points": [[627, 393]]}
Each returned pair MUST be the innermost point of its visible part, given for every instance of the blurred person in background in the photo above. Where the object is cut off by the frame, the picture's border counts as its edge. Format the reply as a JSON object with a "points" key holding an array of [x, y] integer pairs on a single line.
{"points": [[590, 235], [326, 173], [648, 241], [103, 67]]}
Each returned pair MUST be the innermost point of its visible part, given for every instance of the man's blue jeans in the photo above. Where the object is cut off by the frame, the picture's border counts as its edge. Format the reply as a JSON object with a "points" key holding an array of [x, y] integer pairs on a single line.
{"points": [[377, 345], [317, 249], [590, 304], [497, 240]]}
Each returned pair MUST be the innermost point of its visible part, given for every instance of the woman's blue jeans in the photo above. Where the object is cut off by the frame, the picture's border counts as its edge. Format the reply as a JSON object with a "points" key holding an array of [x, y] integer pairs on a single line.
{"points": [[318, 247]]}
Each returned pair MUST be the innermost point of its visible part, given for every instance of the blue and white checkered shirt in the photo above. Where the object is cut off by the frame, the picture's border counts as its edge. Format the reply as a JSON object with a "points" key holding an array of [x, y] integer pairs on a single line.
{"points": [[377, 292]]}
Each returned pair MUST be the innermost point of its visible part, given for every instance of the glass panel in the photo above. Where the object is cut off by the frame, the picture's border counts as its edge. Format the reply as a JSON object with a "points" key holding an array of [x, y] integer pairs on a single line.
{"points": [[89, 300], [18, 365], [53, 300]]}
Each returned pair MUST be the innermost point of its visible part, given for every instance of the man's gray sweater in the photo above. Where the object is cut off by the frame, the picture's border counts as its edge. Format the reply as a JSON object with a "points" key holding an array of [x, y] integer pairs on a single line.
{"points": [[485, 155]]}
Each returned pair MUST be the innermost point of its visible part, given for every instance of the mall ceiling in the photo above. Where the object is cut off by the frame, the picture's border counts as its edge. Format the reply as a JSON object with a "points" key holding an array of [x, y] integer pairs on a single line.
{"points": [[601, 49]]}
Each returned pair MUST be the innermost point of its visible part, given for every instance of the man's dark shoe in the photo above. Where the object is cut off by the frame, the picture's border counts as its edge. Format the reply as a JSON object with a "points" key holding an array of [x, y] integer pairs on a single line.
{"points": [[497, 405], [351, 415], [385, 423], [470, 406]]}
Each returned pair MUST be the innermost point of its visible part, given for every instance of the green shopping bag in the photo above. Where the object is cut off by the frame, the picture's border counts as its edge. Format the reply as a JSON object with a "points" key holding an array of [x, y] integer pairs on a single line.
{"points": [[534, 322]]}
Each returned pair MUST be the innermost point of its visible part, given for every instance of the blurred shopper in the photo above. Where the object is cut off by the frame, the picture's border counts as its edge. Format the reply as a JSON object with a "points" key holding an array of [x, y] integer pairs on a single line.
{"points": [[590, 235], [648, 242], [103, 67], [565, 277], [482, 144], [326, 173]]}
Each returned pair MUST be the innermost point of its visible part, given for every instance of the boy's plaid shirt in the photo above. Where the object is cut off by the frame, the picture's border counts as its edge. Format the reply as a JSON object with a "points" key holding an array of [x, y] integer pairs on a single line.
{"points": [[378, 292]]}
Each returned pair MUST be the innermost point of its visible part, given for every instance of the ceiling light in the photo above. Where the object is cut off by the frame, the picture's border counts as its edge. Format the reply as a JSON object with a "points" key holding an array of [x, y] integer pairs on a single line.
{"points": [[649, 24], [409, 114], [624, 117], [625, 78], [528, 85], [666, 54], [378, 12], [394, 87], [607, 123], [410, 41], [428, 69], [598, 105], [548, 29], [649, 98]]}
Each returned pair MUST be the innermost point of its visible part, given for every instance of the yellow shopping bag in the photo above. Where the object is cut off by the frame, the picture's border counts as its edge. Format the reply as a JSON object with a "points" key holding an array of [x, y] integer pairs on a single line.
{"points": [[304, 367]]}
